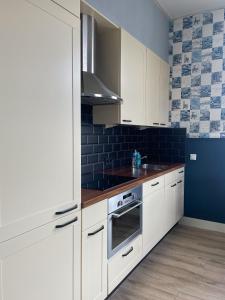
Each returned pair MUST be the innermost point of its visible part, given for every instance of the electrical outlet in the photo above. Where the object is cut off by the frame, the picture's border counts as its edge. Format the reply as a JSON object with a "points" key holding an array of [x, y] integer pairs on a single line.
{"points": [[193, 156]]}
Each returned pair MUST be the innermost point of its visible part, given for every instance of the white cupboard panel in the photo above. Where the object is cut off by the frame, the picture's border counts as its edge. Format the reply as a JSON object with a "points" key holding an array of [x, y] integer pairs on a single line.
{"points": [[152, 88], [170, 212], [94, 214], [123, 262], [164, 93], [153, 224], [43, 263], [172, 176], [133, 69], [36, 114], [153, 185], [157, 90], [180, 199], [94, 262]]}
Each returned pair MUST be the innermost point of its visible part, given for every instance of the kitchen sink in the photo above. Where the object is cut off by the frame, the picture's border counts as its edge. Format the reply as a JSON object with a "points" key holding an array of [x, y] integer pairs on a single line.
{"points": [[154, 167]]}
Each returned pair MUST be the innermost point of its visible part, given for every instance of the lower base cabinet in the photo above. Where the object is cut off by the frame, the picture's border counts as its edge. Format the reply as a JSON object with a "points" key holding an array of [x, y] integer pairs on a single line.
{"points": [[180, 198], [123, 262], [43, 263], [174, 202], [94, 262], [153, 229]]}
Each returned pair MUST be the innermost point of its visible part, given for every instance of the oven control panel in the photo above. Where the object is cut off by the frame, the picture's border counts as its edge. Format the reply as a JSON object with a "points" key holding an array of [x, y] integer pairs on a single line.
{"points": [[124, 198]]}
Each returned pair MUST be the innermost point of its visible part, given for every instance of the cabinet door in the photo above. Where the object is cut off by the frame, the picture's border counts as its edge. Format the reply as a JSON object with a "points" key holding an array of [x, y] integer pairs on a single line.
{"points": [[72, 6], [152, 88], [133, 70], [122, 263], [152, 219], [94, 262], [164, 93], [43, 263], [180, 198], [170, 211], [38, 92]]}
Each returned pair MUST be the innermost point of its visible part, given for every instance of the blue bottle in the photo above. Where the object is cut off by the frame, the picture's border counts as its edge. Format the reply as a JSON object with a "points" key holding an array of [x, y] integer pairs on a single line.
{"points": [[138, 160], [134, 159]]}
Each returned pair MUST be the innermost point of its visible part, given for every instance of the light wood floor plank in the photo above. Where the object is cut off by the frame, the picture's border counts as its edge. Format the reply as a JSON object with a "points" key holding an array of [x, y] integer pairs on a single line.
{"points": [[188, 264]]}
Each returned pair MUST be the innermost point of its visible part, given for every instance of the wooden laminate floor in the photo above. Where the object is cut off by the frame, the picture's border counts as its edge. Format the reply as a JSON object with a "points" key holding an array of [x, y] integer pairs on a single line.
{"points": [[188, 264]]}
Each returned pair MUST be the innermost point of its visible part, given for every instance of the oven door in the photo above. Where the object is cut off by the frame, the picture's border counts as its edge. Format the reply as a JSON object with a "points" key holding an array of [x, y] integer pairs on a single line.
{"points": [[123, 226]]}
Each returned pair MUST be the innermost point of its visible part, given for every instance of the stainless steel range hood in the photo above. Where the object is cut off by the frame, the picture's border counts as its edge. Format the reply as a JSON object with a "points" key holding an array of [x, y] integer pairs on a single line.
{"points": [[93, 90]]}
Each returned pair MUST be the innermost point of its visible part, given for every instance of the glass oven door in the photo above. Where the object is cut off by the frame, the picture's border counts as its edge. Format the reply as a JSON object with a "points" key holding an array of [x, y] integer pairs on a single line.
{"points": [[123, 226]]}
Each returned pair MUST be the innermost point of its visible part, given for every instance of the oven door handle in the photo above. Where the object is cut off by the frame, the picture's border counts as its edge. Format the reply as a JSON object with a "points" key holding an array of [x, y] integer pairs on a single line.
{"points": [[126, 211]]}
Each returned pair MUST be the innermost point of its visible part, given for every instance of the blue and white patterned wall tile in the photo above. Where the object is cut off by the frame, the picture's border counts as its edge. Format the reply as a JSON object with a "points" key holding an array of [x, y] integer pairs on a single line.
{"points": [[197, 59]]}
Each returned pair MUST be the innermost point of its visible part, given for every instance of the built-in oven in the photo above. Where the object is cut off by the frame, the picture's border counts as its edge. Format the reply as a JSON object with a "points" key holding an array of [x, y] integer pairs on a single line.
{"points": [[124, 219]]}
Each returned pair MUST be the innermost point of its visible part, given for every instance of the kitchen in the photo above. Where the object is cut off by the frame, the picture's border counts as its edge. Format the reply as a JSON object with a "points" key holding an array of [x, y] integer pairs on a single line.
{"points": [[112, 145]]}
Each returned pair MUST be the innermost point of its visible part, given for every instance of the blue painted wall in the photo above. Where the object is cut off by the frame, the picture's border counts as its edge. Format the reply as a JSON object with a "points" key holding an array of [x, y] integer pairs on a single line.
{"points": [[205, 180], [143, 19]]}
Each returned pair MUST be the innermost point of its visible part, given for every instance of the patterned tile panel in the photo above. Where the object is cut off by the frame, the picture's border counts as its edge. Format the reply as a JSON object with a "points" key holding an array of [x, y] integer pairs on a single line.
{"points": [[197, 59]]}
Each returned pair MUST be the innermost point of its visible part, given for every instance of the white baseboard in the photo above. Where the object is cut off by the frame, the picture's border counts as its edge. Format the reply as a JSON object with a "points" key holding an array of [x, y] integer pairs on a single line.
{"points": [[203, 224]]}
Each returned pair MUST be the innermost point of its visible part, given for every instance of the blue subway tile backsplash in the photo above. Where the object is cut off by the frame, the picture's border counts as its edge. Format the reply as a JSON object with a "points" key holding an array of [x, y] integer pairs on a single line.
{"points": [[105, 148], [197, 59]]}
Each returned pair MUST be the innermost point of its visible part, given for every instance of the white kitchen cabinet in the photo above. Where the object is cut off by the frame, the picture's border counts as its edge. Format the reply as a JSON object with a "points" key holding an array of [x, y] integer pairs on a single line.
{"points": [[157, 90], [174, 204], [152, 88], [163, 206], [39, 114], [126, 77], [72, 6], [180, 198], [43, 263], [94, 214], [133, 69], [123, 262], [164, 93], [170, 212], [94, 262], [153, 207]]}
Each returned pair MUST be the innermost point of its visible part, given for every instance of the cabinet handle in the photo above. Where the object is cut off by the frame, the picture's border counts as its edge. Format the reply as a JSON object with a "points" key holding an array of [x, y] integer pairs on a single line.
{"points": [[96, 231], [62, 212], [173, 185], [128, 252], [179, 181], [154, 184], [163, 124], [127, 121], [155, 123], [67, 223], [181, 172]]}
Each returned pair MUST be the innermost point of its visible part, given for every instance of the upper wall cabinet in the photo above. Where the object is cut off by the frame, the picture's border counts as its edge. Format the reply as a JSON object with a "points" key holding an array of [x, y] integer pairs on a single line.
{"points": [[135, 73], [72, 6], [132, 71], [157, 90], [133, 62], [38, 123], [123, 71]]}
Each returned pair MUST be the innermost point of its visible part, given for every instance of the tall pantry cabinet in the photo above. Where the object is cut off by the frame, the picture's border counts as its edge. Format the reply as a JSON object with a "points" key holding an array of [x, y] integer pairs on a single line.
{"points": [[39, 155]]}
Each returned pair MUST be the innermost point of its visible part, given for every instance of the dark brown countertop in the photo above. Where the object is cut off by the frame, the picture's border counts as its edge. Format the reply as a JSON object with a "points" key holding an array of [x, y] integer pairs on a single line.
{"points": [[89, 197]]}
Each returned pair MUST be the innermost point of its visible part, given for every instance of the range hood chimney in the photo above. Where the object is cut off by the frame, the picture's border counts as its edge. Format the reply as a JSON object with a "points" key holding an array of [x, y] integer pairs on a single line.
{"points": [[93, 90]]}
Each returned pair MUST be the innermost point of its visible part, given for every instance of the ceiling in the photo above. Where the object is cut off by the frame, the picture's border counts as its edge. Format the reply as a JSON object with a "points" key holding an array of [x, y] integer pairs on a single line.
{"points": [[180, 8]]}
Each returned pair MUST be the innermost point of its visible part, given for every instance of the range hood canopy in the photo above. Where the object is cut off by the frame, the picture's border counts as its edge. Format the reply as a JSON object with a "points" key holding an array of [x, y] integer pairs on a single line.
{"points": [[93, 90]]}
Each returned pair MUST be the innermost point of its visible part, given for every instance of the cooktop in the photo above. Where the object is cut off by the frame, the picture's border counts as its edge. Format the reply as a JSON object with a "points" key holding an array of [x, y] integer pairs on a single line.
{"points": [[108, 181]]}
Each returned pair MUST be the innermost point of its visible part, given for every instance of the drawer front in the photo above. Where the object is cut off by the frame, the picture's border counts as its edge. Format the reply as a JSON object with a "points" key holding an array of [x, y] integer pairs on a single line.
{"points": [[153, 185], [123, 262], [173, 176], [94, 214]]}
